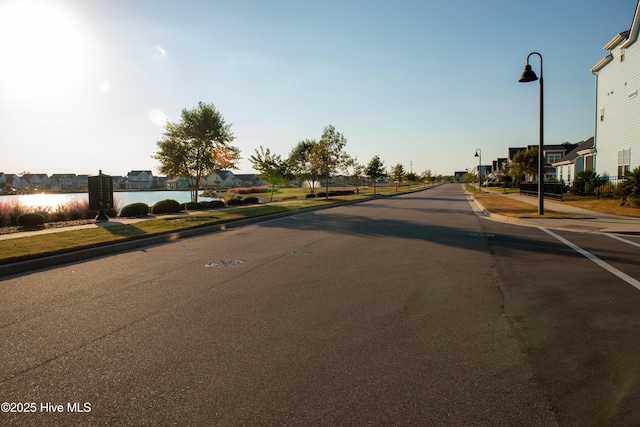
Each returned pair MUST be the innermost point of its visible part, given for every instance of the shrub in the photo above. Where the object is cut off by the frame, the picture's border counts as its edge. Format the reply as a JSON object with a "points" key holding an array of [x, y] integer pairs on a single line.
{"points": [[135, 210], [31, 220], [630, 188], [251, 200], [70, 211], [214, 204], [194, 206], [249, 190], [632, 202], [10, 211], [166, 206], [310, 196], [234, 202]]}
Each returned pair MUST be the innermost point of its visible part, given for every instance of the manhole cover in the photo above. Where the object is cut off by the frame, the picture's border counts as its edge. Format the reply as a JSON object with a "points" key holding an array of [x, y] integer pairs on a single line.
{"points": [[231, 263], [301, 252]]}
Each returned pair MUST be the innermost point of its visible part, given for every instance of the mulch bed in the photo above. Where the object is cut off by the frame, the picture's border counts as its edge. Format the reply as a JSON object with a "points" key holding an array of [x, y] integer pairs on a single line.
{"points": [[59, 224]]}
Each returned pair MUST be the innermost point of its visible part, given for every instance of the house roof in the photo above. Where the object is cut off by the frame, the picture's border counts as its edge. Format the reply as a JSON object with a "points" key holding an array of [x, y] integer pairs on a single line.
{"points": [[514, 151], [622, 40], [573, 154], [635, 28], [135, 173]]}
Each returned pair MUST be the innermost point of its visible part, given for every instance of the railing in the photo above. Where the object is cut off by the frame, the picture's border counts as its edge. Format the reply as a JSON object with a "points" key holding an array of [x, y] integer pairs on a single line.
{"points": [[551, 190]]}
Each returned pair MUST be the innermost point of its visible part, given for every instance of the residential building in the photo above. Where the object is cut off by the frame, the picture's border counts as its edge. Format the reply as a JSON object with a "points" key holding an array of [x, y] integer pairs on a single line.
{"points": [[139, 180], [617, 127], [552, 153], [61, 182], [575, 161]]}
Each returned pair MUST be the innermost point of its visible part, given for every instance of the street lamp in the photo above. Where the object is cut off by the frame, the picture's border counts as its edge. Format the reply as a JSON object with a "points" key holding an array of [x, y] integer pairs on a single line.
{"points": [[479, 156], [529, 76]]}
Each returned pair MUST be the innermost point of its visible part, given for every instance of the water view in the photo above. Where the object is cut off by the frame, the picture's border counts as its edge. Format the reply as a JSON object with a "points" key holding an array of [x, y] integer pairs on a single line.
{"points": [[121, 198]]}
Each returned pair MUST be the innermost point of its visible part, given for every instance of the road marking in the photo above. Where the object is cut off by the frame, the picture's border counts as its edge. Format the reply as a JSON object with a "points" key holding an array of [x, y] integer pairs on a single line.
{"points": [[613, 236], [630, 280]]}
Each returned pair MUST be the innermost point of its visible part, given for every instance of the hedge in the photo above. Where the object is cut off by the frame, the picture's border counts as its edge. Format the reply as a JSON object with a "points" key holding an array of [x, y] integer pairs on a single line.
{"points": [[166, 206], [30, 220], [135, 210]]}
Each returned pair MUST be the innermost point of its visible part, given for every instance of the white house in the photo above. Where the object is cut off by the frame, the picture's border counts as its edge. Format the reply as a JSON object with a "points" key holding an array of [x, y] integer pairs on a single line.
{"points": [[617, 124]]}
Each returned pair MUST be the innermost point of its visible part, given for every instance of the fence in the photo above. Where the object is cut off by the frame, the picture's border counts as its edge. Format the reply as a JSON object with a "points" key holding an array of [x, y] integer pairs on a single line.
{"points": [[557, 190], [551, 190]]}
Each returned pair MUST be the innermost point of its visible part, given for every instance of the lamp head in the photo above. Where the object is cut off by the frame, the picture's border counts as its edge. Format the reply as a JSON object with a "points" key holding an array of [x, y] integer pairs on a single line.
{"points": [[528, 75], [476, 154]]}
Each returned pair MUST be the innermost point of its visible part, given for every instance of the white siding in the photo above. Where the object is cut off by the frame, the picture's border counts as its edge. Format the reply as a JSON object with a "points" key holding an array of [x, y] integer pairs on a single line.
{"points": [[618, 97]]}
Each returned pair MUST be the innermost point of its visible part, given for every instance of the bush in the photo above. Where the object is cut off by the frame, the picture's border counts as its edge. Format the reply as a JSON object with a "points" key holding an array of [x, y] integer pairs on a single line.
{"points": [[234, 202], [194, 206], [251, 200], [632, 202], [310, 196], [31, 220], [166, 206], [135, 210], [249, 190], [215, 204]]}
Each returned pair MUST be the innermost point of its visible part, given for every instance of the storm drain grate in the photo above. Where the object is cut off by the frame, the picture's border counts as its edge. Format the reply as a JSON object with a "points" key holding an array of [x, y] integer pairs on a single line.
{"points": [[225, 263], [301, 252]]}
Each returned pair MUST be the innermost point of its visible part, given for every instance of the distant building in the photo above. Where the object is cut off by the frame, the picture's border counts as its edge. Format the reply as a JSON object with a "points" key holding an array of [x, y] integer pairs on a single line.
{"points": [[139, 180], [62, 182]]}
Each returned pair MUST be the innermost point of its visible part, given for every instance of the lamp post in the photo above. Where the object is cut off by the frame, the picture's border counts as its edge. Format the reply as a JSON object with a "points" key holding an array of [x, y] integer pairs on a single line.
{"points": [[479, 156], [529, 76]]}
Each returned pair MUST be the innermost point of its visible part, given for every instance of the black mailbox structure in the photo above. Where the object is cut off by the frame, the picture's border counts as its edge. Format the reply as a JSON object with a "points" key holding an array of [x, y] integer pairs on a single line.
{"points": [[101, 195]]}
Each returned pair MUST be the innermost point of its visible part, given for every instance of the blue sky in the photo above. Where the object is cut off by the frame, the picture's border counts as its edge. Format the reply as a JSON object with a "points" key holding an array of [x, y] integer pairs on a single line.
{"points": [[86, 84]]}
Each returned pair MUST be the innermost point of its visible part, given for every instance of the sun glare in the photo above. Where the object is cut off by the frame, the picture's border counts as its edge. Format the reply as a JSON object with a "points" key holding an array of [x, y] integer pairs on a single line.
{"points": [[45, 51]]}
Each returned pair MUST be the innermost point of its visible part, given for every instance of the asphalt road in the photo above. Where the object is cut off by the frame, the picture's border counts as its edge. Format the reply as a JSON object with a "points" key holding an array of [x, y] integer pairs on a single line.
{"points": [[409, 310]]}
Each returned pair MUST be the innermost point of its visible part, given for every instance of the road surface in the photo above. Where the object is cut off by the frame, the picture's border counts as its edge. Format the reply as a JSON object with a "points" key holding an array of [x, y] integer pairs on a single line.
{"points": [[409, 310]]}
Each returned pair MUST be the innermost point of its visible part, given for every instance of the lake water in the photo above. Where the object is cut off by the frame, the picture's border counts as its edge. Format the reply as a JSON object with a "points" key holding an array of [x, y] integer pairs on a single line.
{"points": [[121, 198]]}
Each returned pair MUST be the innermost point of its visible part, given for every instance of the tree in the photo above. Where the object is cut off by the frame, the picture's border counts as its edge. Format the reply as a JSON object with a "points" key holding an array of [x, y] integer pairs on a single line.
{"points": [[196, 145], [411, 177], [525, 162], [356, 172], [375, 170], [271, 167], [427, 176], [328, 155], [300, 163], [397, 174]]}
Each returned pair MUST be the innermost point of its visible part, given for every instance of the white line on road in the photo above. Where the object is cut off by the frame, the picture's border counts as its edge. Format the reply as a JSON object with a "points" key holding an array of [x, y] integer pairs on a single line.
{"points": [[630, 280], [613, 236]]}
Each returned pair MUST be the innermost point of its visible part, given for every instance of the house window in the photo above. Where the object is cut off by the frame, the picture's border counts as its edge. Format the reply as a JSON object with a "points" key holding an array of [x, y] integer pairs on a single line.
{"points": [[621, 55], [553, 158], [624, 160], [602, 114]]}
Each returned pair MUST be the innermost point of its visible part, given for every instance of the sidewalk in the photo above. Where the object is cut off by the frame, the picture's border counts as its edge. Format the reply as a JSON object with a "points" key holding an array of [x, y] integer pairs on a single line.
{"points": [[591, 221]]}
